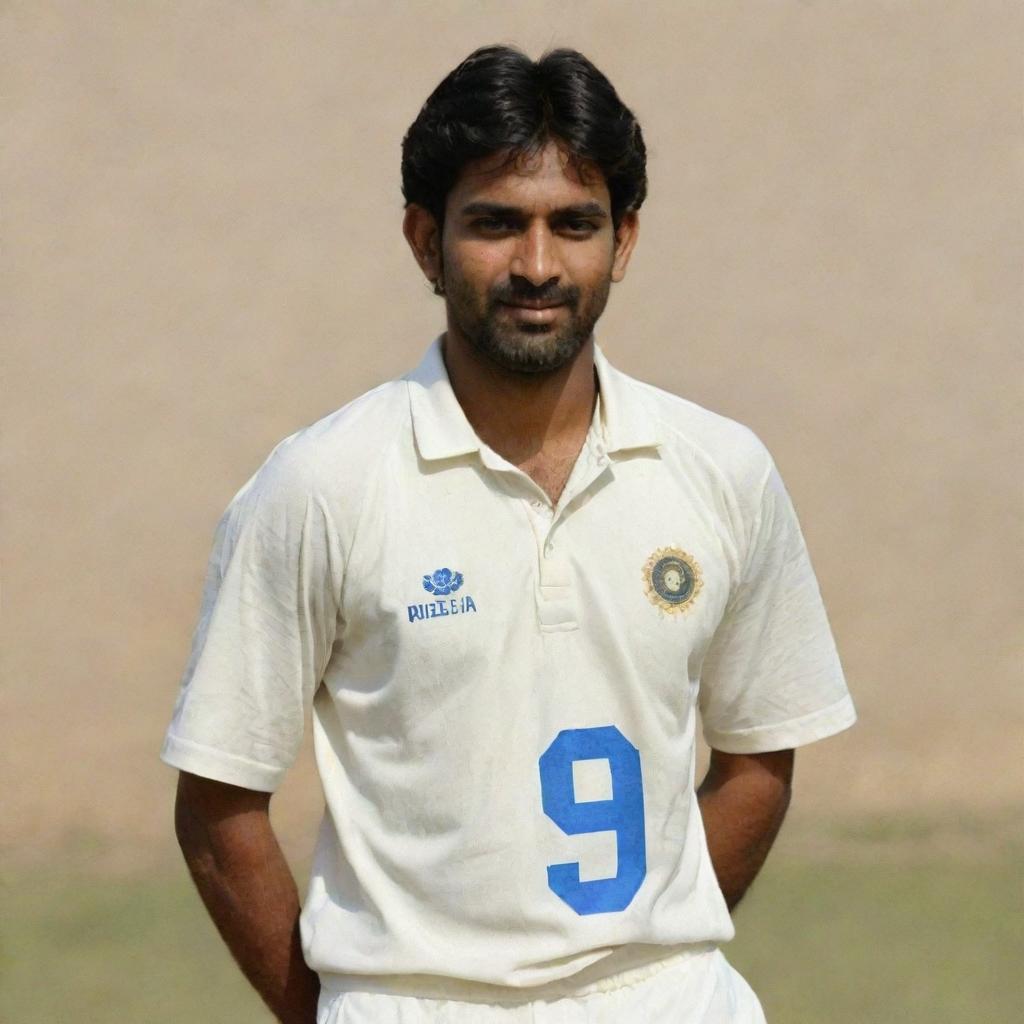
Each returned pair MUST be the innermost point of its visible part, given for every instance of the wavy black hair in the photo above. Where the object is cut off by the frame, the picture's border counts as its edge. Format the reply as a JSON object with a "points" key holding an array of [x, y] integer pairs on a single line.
{"points": [[498, 99]]}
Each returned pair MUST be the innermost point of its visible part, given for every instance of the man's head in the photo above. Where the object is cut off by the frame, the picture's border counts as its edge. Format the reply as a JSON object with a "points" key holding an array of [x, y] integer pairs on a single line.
{"points": [[522, 180]]}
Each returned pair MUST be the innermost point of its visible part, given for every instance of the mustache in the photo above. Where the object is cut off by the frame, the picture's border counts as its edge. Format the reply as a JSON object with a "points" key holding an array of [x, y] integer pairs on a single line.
{"points": [[568, 297]]}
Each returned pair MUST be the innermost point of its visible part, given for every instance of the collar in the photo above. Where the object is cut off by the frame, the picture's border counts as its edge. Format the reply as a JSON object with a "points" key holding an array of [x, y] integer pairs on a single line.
{"points": [[443, 432]]}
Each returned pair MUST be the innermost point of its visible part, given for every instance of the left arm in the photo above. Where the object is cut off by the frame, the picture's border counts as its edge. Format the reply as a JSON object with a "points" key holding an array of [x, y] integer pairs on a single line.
{"points": [[743, 800]]}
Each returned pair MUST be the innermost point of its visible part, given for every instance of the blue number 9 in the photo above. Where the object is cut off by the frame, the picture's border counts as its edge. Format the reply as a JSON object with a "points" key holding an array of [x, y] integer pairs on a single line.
{"points": [[623, 814]]}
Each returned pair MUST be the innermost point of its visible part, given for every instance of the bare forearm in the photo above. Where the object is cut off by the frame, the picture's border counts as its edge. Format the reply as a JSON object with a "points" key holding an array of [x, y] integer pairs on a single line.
{"points": [[249, 891], [742, 814]]}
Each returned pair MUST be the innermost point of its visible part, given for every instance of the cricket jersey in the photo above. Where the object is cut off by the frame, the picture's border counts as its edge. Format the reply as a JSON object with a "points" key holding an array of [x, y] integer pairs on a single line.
{"points": [[505, 692]]}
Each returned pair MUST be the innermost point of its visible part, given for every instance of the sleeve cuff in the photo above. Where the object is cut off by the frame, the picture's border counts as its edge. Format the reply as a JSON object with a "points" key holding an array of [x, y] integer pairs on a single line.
{"points": [[797, 732], [220, 766]]}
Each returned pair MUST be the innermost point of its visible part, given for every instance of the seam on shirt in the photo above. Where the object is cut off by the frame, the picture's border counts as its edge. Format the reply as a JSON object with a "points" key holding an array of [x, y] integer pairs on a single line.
{"points": [[385, 450], [366, 399], [839, 711], [469, 994], [187, 754], [755, 534], [723, 479]]}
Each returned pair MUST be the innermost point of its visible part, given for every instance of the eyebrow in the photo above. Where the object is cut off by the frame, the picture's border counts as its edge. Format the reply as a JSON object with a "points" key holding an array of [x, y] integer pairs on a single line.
{"points": [[591, 209]]}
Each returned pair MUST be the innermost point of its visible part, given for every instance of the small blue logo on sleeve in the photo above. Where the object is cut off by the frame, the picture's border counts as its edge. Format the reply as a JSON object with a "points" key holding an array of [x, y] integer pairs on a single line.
{"points": [[442, 583]]}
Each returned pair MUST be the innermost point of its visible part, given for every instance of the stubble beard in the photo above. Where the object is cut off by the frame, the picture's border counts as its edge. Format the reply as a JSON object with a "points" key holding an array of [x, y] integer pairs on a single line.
{"points": [[525, 348]]}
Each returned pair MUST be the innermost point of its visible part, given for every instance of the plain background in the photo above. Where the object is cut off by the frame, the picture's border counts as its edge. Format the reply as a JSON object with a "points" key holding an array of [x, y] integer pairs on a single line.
{"points": [[202, 253]]}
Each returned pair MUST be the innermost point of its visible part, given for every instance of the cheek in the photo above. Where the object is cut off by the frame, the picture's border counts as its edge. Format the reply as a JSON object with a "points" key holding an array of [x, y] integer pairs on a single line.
{"points": [[591, 270], [481, 266]]}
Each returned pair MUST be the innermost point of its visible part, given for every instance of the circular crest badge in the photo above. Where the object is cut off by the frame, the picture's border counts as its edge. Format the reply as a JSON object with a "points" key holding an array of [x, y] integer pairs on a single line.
{"points": [[672, 579]]}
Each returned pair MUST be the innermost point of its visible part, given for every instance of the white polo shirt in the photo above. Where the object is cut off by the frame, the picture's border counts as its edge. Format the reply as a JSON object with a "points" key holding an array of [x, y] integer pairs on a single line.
{"points": [[505, 693]]}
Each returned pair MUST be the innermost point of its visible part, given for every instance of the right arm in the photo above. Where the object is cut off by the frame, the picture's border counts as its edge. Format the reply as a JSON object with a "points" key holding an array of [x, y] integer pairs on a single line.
{"points": [[237, 865], [264, 637]]}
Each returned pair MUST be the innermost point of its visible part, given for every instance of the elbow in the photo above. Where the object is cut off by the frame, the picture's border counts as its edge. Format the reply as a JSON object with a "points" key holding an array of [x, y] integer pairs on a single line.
{"points": [[189, 827], [777, 788], [185, 825], [785, 797]]}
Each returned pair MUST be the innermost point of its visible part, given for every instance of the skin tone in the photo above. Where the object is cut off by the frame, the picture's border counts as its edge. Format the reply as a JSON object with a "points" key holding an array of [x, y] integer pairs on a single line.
{"points": [[527, 385], [743, 800], [539, 229], [237, 865]]}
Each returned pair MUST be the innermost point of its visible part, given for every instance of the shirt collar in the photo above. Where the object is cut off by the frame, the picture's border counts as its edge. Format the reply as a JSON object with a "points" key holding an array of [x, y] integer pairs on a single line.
{"points": [[443, 432], [628, 420]]}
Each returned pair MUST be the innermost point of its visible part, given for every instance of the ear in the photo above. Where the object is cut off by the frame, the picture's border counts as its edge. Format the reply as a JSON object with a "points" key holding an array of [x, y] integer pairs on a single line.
{"points": [[625, 240], [420, 230]]}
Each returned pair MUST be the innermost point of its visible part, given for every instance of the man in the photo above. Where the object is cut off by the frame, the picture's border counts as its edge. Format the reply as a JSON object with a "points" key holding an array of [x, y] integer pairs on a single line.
{"points": [[506, 584]]}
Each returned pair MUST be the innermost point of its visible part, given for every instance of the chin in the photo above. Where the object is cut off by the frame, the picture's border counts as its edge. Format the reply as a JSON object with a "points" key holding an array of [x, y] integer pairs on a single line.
{"points": [[545, 356]]}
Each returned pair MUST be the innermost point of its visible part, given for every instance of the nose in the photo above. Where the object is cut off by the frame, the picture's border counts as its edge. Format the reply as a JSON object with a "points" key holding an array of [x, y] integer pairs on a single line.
{"points": [[536, 257]]}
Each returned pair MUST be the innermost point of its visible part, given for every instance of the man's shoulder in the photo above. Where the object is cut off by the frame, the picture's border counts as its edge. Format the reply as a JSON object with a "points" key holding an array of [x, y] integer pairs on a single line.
{"points": [[335, 453], [689, 431], [359, 428]]}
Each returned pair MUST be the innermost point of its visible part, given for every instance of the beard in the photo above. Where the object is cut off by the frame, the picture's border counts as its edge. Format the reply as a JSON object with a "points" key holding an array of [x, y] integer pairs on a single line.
{"points": [[519, 347]]}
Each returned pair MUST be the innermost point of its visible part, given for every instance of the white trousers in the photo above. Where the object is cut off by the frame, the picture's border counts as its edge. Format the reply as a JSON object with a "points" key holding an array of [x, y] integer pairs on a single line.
{"points": [[693, 987]]}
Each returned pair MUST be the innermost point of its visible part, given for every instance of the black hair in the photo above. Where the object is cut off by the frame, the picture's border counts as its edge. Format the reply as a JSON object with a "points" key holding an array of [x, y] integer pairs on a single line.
{"points": [[498, 99]]}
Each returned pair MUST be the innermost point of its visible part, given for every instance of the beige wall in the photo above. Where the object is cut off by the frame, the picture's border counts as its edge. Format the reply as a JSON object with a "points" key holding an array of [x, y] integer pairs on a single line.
{"points": [[202, 253]]}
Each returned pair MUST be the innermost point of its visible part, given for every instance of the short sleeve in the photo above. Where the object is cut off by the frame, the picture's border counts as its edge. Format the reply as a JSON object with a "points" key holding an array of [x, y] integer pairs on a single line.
{"points": [[266, 629], [772, 679]]}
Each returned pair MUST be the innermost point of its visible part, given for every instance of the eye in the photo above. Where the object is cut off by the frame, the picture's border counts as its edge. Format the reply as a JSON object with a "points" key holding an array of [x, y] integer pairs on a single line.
{"points": [[579, 226], [492, 223]]}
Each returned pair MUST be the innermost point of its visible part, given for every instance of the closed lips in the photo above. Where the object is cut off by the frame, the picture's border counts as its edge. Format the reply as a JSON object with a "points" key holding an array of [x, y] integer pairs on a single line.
{"points": [[534, 305]]}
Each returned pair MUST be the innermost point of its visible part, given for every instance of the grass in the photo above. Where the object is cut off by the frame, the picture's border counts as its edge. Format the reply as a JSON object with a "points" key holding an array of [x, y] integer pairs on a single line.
{"points": [[828, 941], [87, 949], [863, 943]]}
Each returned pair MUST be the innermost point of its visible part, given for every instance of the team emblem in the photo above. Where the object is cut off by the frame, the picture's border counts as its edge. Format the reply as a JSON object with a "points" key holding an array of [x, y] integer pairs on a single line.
{"points": [[672, 579], [442, 582]]}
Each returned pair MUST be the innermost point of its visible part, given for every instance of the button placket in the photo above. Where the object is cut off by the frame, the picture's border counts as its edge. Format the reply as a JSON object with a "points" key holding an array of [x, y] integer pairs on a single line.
{"points": [[556, 607]]}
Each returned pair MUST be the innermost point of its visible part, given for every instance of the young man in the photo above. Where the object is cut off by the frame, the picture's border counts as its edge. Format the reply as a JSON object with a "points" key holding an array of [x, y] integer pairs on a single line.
{"points": [[506, 584]]}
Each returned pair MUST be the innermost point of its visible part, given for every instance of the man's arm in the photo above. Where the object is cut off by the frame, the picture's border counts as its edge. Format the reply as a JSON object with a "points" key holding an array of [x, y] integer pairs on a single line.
{"points": [[743, 800], [241, 874]]}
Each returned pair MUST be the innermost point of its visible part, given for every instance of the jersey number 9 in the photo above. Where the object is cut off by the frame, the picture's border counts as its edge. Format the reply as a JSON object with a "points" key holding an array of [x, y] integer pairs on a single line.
{"points": [[623, 814]]}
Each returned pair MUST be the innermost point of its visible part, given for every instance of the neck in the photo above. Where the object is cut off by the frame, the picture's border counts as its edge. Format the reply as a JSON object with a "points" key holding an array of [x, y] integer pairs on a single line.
{"points": [[522, 416]]}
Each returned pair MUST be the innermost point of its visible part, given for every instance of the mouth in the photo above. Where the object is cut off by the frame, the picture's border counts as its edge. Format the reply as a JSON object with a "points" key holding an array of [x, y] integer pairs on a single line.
{"points": [[534, 305], [534, 312]]}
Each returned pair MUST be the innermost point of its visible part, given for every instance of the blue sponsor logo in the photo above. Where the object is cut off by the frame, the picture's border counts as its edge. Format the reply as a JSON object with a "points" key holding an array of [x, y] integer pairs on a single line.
{"points": [[442, 583]]}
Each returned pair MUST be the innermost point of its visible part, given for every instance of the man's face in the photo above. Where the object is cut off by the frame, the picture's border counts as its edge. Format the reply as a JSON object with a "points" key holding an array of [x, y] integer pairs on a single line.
{"points": [[536, 232]]}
